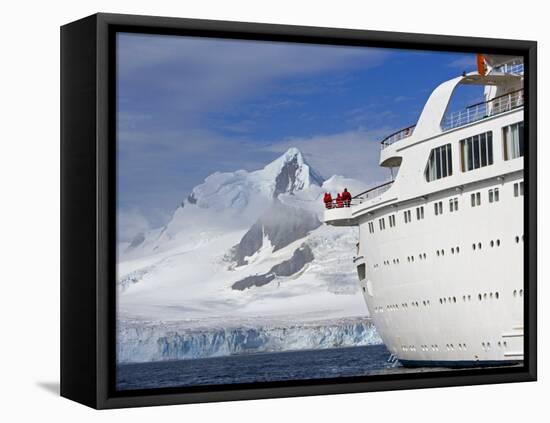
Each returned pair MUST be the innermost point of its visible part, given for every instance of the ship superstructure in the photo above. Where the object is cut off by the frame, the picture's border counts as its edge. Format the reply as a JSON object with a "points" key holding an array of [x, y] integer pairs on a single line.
{"points": [[440, 252]]}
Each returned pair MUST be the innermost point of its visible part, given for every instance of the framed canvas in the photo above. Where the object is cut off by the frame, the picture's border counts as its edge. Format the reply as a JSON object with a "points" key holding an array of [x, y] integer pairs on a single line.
{"points": [[257, 211]]}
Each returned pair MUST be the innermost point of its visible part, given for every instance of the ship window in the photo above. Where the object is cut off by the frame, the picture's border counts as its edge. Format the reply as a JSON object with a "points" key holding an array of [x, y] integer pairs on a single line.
{"points": [[518, 189], [440, 163], [453, 204], [438, 208], [361, 272], [407, 215], [382, 224], [420, 213], [392, 220], [512, 137], [475, 199], [493, 195], [476, 151], [371, 227]]}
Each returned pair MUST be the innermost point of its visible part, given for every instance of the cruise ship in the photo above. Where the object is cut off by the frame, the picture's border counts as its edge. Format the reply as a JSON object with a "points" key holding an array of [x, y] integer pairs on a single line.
{"points": [[440, 251]]}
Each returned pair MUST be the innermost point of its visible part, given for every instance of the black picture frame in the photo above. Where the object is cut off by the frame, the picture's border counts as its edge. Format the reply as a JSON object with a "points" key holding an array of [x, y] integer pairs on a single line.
{"points": [[88, 215]]}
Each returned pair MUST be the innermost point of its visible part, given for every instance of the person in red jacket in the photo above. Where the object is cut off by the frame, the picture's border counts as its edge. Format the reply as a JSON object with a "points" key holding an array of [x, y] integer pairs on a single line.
{"points": [[339, 201], [327, 199], [346, 197]]}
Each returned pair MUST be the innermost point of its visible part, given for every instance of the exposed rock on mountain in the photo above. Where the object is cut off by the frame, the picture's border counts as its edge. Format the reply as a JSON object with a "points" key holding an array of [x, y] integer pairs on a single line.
{"points": [[290, 267], [280, 225]]}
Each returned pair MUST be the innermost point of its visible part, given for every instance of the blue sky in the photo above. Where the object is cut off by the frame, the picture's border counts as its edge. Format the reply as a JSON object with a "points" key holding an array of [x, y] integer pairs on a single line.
{"points": [[188, 107]]}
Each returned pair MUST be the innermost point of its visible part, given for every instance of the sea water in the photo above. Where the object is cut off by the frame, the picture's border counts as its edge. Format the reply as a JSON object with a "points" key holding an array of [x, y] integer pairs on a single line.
{"points": [[248, 368]]}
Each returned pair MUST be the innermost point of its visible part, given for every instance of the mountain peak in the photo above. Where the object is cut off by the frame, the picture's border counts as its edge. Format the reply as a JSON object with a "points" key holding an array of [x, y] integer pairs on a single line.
{"points": [[292, 172], [291, 153]]}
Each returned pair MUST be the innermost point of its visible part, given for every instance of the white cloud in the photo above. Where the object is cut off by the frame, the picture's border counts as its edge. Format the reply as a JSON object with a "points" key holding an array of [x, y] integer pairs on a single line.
{"points": [[130, 223], [466, 63], [225, 71], [169, 86], [353, 154]]}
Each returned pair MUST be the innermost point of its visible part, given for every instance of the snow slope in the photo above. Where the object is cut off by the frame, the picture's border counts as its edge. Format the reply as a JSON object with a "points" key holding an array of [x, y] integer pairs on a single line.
{"points": [[242, 226]]}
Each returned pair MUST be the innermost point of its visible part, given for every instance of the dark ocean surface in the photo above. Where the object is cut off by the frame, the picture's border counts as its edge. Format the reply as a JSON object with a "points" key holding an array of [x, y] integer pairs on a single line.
{"points": [[265, 367]]}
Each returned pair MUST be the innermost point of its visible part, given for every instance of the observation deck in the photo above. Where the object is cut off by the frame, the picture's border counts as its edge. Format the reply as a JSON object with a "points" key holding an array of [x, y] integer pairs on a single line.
{"points": [[342, 214], [470, 114]]}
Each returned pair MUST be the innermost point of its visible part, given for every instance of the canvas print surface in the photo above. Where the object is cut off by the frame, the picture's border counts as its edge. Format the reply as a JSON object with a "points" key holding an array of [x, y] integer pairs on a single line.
{"points": [[293, 211]]}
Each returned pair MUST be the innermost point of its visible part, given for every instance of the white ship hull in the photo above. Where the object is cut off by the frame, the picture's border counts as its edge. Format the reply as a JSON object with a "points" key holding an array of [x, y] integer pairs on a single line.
{"points": [[440, 252], [458, 305]]}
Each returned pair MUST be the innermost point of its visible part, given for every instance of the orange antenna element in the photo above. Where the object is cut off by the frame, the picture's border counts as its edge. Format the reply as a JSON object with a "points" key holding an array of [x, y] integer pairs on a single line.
{"points": [[481, 66]]}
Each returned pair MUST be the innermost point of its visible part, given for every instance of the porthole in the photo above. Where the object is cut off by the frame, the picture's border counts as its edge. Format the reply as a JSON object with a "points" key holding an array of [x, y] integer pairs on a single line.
{"points": [[515, 293], [452, 250], [492, 243], [441, 301], [457, 250], [517, 239], [473, 246], [479, 296], [491, 295], [496, 295], [424, 255], [485, 296], [442, 252], [469, 298], [464, 298], [521, 292], [479, 245], [498, 242], [437, 253], [454, 299]]}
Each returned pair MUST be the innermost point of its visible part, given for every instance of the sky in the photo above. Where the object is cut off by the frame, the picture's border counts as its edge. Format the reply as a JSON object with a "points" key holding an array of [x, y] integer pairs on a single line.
{"points": [[190, 106]]}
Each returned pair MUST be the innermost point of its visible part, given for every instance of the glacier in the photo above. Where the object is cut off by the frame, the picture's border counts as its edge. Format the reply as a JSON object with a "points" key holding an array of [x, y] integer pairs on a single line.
{"points": [[143, 341]]}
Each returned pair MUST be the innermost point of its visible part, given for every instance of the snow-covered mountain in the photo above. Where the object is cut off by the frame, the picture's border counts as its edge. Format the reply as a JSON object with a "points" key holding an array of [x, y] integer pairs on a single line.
{"points": [[243, 246]]}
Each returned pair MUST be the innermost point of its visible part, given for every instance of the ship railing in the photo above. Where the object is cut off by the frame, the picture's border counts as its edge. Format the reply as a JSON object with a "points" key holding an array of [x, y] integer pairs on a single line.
{"points": [[483, 110], [513, 68], [361, 197], [396, 136], [372, 192]]}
